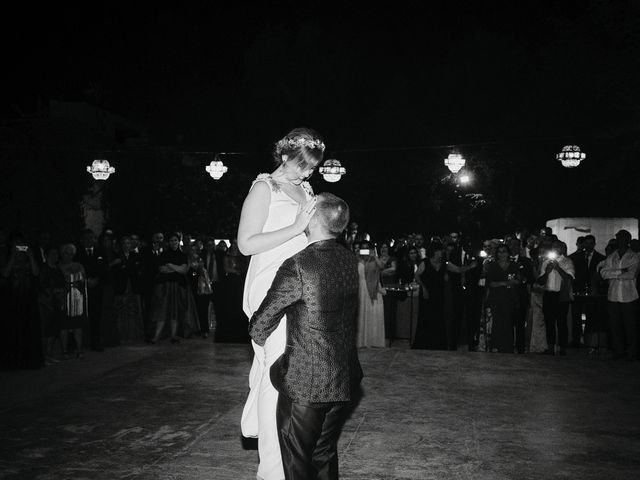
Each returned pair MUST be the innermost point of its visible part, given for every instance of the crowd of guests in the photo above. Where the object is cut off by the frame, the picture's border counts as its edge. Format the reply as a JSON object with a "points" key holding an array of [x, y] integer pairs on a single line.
{"points": [[522, 293], [59, 298]]}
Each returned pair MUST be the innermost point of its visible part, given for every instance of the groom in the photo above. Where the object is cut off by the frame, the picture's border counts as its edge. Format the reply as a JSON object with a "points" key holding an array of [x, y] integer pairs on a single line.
{"points": [[318, 374]]}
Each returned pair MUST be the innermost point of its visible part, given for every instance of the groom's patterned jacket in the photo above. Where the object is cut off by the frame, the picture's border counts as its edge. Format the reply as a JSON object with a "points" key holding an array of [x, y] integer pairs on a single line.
{"points": [[317, 289]]}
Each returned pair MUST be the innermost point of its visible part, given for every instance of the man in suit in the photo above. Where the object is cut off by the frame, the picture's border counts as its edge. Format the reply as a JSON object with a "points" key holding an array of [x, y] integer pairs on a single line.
{"points": [[585, 285], [319, 373], [150, 268], [95, 267], [41, 249], [525, 273]]}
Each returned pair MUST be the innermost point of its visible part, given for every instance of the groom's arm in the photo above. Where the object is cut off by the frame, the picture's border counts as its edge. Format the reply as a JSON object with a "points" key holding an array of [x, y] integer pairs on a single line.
{"points": [[285, 290]]}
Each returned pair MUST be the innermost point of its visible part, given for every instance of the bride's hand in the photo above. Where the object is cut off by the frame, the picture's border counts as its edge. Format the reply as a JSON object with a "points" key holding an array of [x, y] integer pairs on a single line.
{"points": [[305, 212]]}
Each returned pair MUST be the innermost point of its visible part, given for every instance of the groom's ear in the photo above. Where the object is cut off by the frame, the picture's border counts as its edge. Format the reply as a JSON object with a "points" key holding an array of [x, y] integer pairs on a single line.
{"points": [[314, 220]]}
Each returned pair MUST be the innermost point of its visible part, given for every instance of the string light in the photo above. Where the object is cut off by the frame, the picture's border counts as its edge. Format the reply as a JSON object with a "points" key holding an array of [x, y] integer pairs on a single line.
{"points": [[455, 162], [570, 156], [331, 170], [100, 169], [216, 168]]}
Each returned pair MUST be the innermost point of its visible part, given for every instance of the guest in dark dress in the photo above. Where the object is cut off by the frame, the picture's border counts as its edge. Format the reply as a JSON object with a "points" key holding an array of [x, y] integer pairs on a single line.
{"points": [[126, 271], [23, 347], [525, 274], [50, 301], [232, 322], [208, 286], [150, 267], [408, 265], [454, 295], [389, 277], [173, 301], [502, 278], [430, 330]]}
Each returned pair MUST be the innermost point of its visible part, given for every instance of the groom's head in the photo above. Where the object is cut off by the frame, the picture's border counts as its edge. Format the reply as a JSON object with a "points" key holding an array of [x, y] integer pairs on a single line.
{"points": [[331, 217]]}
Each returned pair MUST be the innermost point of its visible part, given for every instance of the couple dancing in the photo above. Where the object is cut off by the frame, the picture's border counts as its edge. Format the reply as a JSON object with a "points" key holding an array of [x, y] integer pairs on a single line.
{"points": [[301, 295]]}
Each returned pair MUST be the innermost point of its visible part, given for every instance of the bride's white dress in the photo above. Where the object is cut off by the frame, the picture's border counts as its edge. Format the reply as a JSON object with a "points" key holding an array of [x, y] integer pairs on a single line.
{"points": [[259, 414]]}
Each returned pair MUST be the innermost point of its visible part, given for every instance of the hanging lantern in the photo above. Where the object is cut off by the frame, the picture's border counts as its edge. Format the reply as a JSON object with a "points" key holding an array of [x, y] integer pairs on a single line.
{"points": [[332, 170], [455, 162], [216, 169], [100, 169], [570, 156]]}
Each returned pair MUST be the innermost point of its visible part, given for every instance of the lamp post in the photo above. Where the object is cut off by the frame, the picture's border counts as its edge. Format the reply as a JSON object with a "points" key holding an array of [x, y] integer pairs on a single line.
{"points": [[570, 156]]}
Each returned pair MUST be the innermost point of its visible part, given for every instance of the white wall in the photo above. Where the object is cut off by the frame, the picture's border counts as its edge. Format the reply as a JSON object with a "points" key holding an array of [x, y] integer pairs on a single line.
{"points": [[569, 229]]}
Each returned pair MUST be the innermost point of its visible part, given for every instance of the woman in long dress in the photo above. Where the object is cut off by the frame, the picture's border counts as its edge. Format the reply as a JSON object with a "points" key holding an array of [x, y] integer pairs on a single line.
{"points": [[172, 300], [535, 319], [431, 331], [274, 217], [503, 299], [371, 304], [125, 269]]}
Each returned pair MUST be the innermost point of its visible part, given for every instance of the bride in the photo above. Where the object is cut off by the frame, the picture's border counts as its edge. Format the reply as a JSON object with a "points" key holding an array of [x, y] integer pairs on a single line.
{"points": [[274, 216]]}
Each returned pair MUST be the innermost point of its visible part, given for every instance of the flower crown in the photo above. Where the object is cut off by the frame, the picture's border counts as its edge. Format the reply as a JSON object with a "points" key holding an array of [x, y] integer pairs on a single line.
{"points": [[298, 142]]}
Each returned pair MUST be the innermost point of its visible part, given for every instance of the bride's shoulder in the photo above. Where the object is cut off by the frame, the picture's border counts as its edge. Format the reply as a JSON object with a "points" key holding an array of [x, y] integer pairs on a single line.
{"points": [[268, 180]]}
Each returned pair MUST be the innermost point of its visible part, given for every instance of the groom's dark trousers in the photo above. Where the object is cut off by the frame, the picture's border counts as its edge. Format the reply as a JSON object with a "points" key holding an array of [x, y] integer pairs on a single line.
{"points": [[308, 438], [318, 374]]}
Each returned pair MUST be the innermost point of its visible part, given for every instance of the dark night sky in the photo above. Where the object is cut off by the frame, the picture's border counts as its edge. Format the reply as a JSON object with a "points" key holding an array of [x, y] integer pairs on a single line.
{"points": [[508, 82]]}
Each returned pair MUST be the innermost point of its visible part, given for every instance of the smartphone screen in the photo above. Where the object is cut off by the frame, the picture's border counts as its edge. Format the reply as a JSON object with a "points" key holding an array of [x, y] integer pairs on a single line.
{"points": [[365, 251]]}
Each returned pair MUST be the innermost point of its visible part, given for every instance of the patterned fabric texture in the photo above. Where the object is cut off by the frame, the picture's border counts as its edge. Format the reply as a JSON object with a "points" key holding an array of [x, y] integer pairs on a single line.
{"points": [[318, 291]]}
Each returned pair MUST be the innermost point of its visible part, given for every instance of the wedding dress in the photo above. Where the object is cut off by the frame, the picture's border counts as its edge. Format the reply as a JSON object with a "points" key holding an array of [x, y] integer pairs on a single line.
{"points": [[259, 414]]}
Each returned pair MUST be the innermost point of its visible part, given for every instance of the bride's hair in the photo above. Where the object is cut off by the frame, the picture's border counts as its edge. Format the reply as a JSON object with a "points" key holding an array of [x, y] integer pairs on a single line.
{"points": [[302, 146]]}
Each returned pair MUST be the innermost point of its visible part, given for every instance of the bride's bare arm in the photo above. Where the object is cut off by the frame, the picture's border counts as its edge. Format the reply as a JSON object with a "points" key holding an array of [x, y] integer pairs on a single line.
{"points": [[254, 214]]}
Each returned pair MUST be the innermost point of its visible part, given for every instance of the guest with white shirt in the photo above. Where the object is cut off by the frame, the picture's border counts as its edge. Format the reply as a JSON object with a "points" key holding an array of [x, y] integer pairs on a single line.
{"points": [[621, 269], [556, 274]]}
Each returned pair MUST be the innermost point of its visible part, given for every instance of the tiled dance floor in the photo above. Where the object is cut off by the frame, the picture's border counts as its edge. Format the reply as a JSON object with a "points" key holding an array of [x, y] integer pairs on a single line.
{"points": [[172, 412]]}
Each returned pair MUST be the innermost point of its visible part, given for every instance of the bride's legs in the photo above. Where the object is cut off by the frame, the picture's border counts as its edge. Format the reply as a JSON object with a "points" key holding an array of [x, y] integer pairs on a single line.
{"points": [[270, 467]]}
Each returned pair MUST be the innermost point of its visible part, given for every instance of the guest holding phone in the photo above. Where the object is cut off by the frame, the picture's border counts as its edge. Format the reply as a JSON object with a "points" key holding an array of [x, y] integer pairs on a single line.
{"points": [[23, 347], [556, 274]]}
